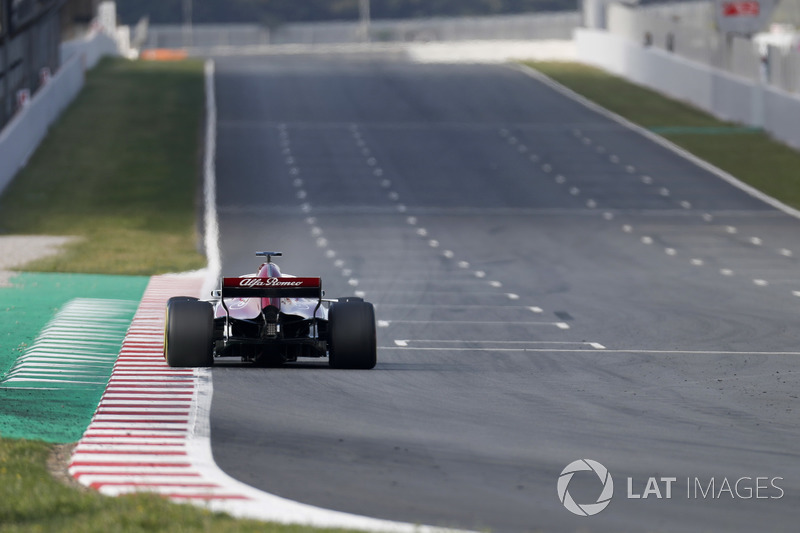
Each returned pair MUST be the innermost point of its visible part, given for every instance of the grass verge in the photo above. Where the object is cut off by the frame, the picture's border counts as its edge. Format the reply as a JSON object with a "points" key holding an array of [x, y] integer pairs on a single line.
{"points": [[120, 169], [31, 500], [751, 156]]}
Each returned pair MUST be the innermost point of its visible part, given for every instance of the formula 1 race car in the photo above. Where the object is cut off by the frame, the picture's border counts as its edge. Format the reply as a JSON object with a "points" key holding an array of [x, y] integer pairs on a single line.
{"points": [[270, 318]]}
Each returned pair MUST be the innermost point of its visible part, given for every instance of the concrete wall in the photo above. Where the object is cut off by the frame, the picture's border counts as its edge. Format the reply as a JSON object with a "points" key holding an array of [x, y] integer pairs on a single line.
{"points": [[21, 136], [92, 47], [685, 28], [725, 95], [205, 35], [648, 66], [491, 51], [782, 114], [784, 69], [538, 26]]}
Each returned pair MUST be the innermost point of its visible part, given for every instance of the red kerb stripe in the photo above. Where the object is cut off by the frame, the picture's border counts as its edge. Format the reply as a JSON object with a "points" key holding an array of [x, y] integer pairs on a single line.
{"points": [[120, 464]]}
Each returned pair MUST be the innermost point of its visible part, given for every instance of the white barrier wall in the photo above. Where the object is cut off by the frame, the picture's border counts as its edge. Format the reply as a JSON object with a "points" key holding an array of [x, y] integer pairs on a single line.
{"points": [[491, 51], [26, 130], [722, 94], [21, 136], [782, 114], [92, 47]]}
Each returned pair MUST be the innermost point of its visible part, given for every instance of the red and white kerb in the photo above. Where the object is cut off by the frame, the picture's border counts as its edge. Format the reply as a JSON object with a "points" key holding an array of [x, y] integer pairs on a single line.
{"points": [[138, 438]]}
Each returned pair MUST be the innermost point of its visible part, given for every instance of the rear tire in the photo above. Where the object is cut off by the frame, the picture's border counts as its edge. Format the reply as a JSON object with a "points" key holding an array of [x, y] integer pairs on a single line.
{"points": [[189, 333], [351, 335]]}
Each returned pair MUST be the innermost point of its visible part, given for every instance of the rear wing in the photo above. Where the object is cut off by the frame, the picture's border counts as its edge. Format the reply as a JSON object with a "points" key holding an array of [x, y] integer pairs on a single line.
{"points": [[271, 288]]}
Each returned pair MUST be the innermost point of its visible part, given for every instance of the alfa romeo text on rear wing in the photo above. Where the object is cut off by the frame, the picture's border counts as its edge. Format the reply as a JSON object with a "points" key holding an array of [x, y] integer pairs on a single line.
{"points": [[271, 288]]}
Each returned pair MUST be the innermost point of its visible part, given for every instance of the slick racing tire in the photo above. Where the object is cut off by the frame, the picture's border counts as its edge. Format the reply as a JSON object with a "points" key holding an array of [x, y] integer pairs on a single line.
{"points": [[352, 340], [189, 333]]}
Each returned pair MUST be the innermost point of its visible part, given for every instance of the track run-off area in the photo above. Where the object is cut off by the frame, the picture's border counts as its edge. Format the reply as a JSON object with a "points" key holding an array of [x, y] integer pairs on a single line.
{"points": [[551, 284]]}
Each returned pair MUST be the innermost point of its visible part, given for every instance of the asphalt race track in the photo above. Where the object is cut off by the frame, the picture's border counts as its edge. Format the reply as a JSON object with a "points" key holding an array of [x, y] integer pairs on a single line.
{"points": [[550, 286]]}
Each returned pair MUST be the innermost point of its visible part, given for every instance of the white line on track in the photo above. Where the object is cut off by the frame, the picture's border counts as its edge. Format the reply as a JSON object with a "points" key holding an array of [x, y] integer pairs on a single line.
{"points": [[454, 306], [388, 323], [473, 294], [584, 350], [414, 342], [425, 281]]}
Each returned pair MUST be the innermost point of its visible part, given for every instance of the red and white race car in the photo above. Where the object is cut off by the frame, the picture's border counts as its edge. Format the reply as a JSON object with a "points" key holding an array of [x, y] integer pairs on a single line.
{"points": [[270, 318]]}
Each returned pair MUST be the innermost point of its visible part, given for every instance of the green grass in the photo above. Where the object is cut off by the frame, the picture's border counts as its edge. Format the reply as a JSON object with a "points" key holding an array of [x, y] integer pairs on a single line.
{"points": [[121, 170], [751, 156], [31, 500]]}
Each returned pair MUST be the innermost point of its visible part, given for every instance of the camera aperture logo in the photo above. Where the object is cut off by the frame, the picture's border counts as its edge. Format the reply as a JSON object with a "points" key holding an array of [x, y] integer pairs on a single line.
{"points": [[606, 493], [743, 488]]}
